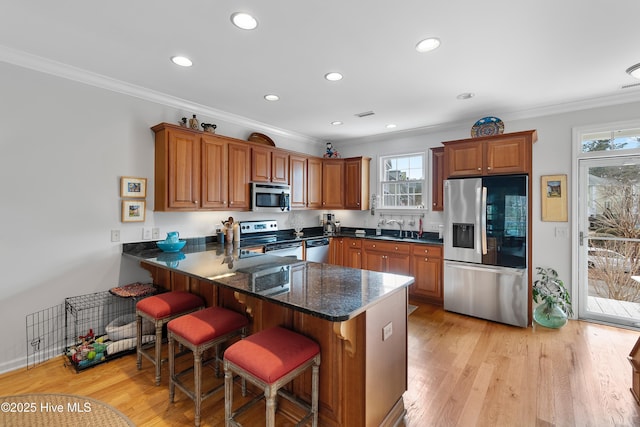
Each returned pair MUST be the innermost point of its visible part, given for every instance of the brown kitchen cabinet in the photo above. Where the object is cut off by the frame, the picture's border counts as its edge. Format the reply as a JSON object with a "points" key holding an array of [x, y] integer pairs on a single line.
{"points": [[314, 183], [333, 184], [352, 252], [387, 257], [199, 171], [427, 270], [491, 155], [437, 179], [357, 183], [269, 165], [336, 250], [298, 181]]}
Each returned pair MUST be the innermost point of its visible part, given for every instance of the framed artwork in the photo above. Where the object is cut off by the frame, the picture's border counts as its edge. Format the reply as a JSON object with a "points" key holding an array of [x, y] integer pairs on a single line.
{"points": [[133, 210], [132, 187], [554, 198]]}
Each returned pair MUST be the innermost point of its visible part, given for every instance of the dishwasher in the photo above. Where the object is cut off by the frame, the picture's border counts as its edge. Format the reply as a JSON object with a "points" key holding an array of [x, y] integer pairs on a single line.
{"points": [[318, 250]]}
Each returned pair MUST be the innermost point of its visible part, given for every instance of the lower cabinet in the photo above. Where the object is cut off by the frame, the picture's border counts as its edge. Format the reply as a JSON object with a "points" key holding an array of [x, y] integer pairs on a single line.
{"points": [[426, 268], [387, 257], [352, 253]]}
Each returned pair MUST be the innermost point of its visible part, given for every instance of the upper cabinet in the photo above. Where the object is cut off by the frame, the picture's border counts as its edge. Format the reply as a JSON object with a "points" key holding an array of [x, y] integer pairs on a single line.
{"points": [[199, 171], [492, 155], [357, 183], [333, 184], [269, 165], [437, 179]]}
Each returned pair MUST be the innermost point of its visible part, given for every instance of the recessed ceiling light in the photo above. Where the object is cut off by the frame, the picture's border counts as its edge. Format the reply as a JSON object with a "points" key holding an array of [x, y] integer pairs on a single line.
{"points": [[466, 95], [182, 61], [244, 21], [336, 123], [271, 97], [634, 71], [391, 126], [427, 45], [333, 76]]}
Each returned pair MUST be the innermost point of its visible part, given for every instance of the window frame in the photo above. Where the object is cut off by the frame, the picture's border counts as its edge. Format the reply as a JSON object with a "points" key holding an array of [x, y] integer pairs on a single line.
{"points": [[425, 181]]}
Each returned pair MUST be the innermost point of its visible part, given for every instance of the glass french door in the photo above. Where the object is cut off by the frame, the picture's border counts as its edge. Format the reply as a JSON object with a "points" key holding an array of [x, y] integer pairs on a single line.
{"points": [[609, 236]]}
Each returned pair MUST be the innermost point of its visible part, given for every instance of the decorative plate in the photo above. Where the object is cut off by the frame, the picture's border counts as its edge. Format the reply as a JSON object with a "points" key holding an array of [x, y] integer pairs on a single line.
{"points": [[487, 126], [261, 138]]}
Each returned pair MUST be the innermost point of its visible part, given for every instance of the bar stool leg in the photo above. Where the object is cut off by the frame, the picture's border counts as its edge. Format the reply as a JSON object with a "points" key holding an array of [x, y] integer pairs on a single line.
{"points": [[228, 396], [315, 381], [172, 368], [197, 378], [270, 394], [158, 351]]}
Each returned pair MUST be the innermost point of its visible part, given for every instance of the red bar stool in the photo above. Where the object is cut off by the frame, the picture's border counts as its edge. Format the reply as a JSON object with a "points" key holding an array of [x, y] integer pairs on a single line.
{"points": [[198, 332], [160, 309], [270, 359]]}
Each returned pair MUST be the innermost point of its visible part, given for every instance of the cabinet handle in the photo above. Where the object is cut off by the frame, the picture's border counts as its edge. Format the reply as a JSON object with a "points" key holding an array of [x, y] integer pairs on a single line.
{"points": [[358, 203], [374, 246], [488, 168], [195, 202], [396, 248], [426, 251], [479, 169]]}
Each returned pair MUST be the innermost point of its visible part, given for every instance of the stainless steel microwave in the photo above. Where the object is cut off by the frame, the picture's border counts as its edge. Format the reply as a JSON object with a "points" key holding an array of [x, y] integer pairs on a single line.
{"points": [[267, 197]]}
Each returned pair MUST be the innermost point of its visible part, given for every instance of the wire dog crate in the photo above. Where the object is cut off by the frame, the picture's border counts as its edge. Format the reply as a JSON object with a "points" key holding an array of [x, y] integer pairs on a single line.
{"points": [[86, 320]]}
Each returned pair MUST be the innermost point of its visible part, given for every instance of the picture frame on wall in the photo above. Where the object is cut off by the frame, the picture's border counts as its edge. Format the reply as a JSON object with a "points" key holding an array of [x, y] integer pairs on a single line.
{"points": [[133, 187], [133, 210], [553, 191]]}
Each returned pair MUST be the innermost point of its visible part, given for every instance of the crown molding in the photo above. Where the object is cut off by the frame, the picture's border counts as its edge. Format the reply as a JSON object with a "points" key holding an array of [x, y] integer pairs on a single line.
{"points": [[58, 69]]}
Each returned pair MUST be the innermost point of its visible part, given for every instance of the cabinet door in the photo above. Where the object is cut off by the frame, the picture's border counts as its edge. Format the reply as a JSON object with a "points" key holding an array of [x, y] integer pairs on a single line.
{"points": [[356, 183], [507, 156], [398, 263], [280, 166], [239, 175], [183, 170], [333, 184], [426, 267], [298, 181], [314, 183], [374, 261], [215, 183], [437, 178], [352, 253], [464, 159], [260, 164], [336, 250]]}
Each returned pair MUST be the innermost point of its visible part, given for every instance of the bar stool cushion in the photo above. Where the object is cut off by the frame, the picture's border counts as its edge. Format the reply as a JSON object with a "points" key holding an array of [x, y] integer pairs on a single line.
{"points": [[205, 325], [272, 353], [168, 304]]}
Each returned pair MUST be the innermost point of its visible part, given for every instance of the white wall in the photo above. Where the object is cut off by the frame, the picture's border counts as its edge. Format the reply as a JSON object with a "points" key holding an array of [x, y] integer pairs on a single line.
{"points": [[65, 145]]}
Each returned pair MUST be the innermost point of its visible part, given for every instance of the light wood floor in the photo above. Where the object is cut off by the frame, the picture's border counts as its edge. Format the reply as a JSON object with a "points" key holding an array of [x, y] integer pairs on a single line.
{"points": [[462, 372]]}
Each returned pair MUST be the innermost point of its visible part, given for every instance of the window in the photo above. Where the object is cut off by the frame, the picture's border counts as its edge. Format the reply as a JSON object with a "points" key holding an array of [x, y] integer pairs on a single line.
{"points": [[402, 181], [613, 140]]}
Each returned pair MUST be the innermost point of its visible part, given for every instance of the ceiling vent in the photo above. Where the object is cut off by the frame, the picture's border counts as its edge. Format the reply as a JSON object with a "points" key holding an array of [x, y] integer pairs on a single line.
{"points": [[365, 114]]}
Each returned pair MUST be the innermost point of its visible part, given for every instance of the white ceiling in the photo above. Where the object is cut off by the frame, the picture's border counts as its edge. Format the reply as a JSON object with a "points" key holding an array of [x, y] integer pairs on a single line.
{"points": [[518, 57]]}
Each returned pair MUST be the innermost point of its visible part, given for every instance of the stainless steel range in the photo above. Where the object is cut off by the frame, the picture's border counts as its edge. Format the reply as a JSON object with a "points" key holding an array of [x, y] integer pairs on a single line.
{"points": [[261, 237]]}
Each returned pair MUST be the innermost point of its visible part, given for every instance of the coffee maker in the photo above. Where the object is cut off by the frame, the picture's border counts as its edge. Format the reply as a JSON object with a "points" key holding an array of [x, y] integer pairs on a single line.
{"points": [[328, 224]]}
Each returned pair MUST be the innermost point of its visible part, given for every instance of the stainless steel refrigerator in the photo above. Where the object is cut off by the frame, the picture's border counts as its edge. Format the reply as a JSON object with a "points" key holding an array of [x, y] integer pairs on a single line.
{"points": [[485, 248]]}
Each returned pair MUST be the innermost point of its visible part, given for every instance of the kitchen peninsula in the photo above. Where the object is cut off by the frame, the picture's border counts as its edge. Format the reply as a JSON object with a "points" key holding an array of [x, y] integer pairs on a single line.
{"points": [[358, 317]]}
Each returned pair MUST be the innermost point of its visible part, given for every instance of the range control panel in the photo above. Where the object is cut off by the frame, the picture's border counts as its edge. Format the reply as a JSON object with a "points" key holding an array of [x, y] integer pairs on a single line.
{"points": [[250, 227]]}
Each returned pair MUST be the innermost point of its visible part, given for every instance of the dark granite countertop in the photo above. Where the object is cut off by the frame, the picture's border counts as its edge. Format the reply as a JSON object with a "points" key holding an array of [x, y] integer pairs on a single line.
{"points": [[327, 291]]}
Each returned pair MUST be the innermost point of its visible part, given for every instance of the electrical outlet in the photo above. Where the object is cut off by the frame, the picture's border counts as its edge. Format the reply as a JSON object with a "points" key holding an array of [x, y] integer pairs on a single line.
{"points": [[146, 233], [387, 331], [115, 235], [155, 233]]}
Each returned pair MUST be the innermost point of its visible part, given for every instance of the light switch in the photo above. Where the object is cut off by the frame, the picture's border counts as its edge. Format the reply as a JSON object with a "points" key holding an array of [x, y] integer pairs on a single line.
{"points": [[562, 232], [387, 331]]}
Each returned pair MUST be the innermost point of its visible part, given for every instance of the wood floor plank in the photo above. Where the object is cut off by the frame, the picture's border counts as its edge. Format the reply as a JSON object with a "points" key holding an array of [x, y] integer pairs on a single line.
{"points": [[463, 372]]}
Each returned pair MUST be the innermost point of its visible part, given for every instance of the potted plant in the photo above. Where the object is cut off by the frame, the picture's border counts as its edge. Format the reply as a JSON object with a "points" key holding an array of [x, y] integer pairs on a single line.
{"points": [[554, 299]]}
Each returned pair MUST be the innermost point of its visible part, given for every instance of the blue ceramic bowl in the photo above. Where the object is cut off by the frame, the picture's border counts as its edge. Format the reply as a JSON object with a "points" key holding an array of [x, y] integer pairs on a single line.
{"points": [[171, 246]]}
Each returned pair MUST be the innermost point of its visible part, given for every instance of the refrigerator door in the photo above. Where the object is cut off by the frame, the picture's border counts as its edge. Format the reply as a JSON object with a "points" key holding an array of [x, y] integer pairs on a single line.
{"points": [[464, 217], [493, 293]]}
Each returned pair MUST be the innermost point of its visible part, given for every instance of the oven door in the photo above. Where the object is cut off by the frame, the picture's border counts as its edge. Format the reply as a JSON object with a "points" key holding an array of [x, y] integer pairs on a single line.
{"points": [[290, 249]]}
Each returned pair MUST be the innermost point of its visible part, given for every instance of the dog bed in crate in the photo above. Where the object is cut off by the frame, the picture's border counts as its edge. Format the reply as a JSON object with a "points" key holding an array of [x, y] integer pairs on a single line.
{"points": [[125, 326]]}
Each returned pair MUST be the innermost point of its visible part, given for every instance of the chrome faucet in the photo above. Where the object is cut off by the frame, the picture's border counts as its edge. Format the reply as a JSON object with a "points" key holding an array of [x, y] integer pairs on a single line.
{"points": [[400, 223]]}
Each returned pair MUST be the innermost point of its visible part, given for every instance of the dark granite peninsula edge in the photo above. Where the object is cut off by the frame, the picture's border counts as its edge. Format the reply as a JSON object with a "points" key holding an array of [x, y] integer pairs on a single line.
{"points": [[358, 317]]}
